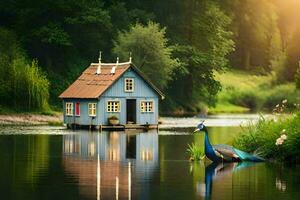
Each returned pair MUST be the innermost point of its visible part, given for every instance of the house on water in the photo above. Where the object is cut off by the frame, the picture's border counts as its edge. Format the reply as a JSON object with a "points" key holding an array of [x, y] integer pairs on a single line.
{"points": [[109, 94]]}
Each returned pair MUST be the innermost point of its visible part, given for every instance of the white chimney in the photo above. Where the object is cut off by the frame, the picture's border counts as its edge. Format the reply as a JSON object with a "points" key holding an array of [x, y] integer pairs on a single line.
{"points": [[113, 69], [130, 59], [99, 64]]}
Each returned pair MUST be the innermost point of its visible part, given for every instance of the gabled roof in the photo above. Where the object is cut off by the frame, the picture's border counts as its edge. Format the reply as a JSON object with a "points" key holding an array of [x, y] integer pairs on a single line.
{"points": [[91, 85]]}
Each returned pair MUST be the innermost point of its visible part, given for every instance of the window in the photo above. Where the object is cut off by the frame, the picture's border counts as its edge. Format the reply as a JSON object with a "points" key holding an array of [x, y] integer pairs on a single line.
{"points": [[129, 84], [113, 106], [147, 106], [77, 109], [92, 109], [69, 109]]}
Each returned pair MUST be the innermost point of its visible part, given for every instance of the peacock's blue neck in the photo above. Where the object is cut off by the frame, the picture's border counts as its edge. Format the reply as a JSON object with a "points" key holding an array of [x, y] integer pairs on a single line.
{"points": [[209, 151], [207, 144]]}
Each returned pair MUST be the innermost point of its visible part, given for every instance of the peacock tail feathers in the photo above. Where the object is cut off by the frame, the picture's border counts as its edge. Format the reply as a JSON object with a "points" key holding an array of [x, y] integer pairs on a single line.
{"points": [[244, 156]]}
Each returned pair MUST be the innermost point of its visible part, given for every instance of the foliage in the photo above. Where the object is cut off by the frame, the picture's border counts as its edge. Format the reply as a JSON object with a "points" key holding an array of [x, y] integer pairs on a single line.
{"points": [[196, 152], [254, 92], [23, 86], [248, 99], [280, 93], [55, 123], [194, 81], [212, 35], [206, 50], [200, 36], [113, 117], [151, 52], [297, 77], [261, 138], [226, 107]]}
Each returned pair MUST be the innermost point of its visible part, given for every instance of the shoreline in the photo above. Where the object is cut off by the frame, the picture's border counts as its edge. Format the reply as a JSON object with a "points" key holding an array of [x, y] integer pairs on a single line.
{"points": [[221, 120], [31, 119]]}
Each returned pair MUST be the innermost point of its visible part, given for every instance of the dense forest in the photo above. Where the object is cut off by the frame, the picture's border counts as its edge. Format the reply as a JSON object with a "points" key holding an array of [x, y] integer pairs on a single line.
{"points": [[45, 45]]}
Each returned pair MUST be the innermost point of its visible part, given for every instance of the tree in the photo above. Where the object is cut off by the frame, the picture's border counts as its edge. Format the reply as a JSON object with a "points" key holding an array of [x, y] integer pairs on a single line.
{"points": [[206, 49], [254, 23], [194, 82], [297, 77], [150, 51], [211, 35]]}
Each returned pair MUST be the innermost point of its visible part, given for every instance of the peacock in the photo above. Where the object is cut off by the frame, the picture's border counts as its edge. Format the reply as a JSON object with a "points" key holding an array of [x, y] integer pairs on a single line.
{"points": [[224, 153], [217, 170]]}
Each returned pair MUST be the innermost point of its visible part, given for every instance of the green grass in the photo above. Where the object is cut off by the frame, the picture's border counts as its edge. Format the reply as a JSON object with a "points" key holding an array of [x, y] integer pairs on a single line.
{"points": [[4, 110], [226, 107], [261, 137], [55, 123], [244, 92], [196, 152]]}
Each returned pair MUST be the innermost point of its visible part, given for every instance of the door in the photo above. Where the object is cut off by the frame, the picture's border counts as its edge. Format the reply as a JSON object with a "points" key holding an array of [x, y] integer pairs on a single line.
{"points": [[131, 146], [131, 111]]}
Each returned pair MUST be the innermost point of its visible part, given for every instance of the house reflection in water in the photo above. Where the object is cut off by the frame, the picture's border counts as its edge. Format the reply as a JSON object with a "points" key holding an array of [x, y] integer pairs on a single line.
{"points": [[100, 162]]}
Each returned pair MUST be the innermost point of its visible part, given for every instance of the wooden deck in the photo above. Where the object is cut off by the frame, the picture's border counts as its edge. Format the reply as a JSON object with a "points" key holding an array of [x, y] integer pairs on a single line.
{"points": [[115, 127]]}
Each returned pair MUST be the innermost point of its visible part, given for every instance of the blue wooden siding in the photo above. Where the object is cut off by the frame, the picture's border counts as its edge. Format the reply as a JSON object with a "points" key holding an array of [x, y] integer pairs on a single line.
{"points": [[142, 91], [84, 118]]}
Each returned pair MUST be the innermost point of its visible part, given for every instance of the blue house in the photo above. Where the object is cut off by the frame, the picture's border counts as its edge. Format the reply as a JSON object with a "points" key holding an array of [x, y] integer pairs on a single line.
{"points": [[111, 93]]}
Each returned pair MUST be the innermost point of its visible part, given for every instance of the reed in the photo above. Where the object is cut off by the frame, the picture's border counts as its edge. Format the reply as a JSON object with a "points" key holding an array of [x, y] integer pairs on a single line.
{"points": [[196, 152]]}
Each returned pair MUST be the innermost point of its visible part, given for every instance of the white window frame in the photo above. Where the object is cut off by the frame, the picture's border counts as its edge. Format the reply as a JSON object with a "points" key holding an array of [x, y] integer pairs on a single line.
{"points": [[125, 84], [69, 109], [146, 108], [112, 107], [92, 109]]}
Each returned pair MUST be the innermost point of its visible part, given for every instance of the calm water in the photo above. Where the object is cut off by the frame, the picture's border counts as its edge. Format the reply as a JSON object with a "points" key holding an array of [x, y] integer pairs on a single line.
{"points": [[46, 163]]}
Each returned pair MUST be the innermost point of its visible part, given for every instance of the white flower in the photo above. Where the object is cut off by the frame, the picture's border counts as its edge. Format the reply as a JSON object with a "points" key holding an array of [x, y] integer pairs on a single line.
{"points": [[277, 105], [284, 101], [284, 137], [279, 141]]}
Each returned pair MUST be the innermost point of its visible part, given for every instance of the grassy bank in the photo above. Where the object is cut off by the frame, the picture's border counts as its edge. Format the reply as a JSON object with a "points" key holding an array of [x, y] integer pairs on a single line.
{"points": [[273, 139], [244, 92], [9, 116], [31, 119]]}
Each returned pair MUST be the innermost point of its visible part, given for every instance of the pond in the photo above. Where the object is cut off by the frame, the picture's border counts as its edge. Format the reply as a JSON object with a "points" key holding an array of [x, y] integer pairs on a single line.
{"points": [[52, 163]]}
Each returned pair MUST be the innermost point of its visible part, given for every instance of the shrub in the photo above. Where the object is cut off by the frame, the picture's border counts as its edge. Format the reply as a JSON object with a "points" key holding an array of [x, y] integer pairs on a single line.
{"points": [[247, 98], [113, 117], [261, 138], [256, 92], [23, 84], [280, 93]]}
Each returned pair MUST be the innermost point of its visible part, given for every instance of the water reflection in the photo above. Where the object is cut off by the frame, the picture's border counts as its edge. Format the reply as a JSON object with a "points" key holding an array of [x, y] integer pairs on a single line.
{"points": [[108, 164], [84, 165], [215, 171]]}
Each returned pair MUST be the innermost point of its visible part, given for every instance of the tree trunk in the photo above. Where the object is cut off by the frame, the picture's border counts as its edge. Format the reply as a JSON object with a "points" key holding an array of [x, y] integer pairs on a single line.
{"points": [[246, 59]]}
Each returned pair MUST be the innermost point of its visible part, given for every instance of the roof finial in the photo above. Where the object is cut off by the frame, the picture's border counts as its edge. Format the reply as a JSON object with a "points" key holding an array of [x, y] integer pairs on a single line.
{"points": [[130, 58], [99, 64], [100, 54], [117, 60]]}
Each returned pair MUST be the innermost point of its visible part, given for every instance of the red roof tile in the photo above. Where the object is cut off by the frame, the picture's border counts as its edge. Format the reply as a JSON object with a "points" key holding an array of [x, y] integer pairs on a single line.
{"points": [[91, 85]]}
